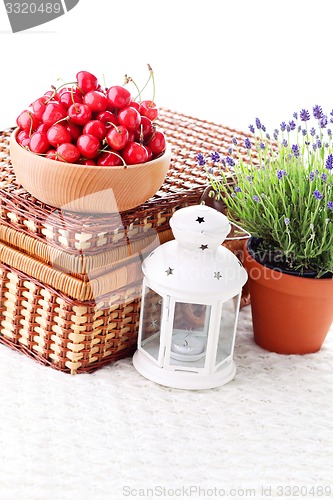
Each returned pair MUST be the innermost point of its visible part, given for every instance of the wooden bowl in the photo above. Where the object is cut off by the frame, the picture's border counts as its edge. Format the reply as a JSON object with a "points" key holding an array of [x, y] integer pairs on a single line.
{"points": [[87, 189]]}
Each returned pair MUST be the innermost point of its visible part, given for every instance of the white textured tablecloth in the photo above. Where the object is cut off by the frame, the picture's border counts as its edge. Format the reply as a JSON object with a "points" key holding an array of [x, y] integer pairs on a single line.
{"points": [[113, 434]]}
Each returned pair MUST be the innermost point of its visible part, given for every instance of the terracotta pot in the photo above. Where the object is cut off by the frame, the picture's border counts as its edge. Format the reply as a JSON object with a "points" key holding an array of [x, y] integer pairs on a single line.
{"points": [[290, 314]]}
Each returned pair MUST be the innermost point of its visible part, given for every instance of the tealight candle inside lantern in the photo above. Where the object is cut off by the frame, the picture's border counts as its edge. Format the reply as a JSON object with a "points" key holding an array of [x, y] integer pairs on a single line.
{"points": [[187, 346]]}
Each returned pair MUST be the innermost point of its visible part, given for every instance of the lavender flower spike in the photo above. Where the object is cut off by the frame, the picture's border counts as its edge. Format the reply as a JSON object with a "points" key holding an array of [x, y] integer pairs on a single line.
{"points": [[201, 159], [215, 157], [292, 125], [329, 162], [230, 161], [247, 143], [304, 115], [281, 173], [317, 194], [295, 150], [330, 205], [317, 112]]}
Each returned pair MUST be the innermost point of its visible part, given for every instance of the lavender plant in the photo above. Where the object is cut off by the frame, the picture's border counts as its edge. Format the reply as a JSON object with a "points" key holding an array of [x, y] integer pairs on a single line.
{"points": [[282, 189]]}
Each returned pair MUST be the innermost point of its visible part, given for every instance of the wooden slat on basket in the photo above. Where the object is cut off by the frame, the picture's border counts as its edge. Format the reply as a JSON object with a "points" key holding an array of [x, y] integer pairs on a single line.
{"points": [[103, 279], [81, 266]]}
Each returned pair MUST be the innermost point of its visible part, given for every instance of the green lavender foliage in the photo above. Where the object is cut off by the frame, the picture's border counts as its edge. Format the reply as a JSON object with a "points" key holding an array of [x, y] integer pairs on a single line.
{"points": [[282, 189]]}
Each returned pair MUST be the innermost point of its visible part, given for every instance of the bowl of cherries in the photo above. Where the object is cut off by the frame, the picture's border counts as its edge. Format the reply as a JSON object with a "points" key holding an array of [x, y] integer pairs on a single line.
{"points": [[85, 148]]}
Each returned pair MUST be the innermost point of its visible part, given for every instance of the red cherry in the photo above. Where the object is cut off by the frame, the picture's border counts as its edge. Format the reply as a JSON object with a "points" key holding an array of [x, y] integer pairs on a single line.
{"points": [[134, 153], [39, 143], [157, 143], [135, 105], [86, 81], [117, 137], [51, 154], [68, 153], [88, 145], [62, 91], [79, 114], [96, 128], [130, 118], [43, 127], [53, 113], [23, 138], [109, 159], [86, 161], [118, 97], [27, 121], [131, 137], [74, 130], [149, 109], [96, 101], [107, 117], [67, 97], [58, 134], [150, 153], [145, 131], [38, 107]]}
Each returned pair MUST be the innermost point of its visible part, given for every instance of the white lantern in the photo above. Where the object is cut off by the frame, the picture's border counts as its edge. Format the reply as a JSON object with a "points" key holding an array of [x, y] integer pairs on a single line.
{"points": [[190, 301]]}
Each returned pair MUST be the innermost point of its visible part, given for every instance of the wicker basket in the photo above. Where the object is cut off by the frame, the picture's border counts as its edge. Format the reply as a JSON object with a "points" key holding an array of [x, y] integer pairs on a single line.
{"points": [[71, 283]]}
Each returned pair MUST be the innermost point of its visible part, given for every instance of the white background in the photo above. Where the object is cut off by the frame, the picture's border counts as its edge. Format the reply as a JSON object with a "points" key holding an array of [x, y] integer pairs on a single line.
{"points": [[88, 436], [225, 61]]}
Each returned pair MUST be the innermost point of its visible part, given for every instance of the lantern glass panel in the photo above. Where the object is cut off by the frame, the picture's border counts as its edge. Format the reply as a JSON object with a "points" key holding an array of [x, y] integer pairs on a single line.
{"points": [[189, 334], [151, 322], [227, 329]]}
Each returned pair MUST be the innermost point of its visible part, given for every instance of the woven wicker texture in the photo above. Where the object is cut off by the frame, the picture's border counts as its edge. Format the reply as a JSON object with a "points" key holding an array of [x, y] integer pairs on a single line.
{"points": [[71, 283], [69, 335]]}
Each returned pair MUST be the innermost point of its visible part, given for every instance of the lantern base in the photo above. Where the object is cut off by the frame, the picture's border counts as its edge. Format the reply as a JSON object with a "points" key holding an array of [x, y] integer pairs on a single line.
{"points": [[179, 379]]}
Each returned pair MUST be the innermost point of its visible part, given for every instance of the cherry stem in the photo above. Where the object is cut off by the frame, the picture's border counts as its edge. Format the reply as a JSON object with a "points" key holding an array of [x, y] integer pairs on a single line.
{"points": [[74, 103], [151, 76], [130, 79], [104, 81], [58, 155], [30, 128], [151, 72], [67, 118], [140, 91], [55, 90], [105, 150], [141, 134], [115, 126]]}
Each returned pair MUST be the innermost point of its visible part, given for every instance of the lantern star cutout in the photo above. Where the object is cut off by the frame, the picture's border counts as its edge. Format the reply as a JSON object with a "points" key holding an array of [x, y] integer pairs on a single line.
{"points": [[153, 323], [169, 271], [200, 220], [203, 247], [217, 275]]}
